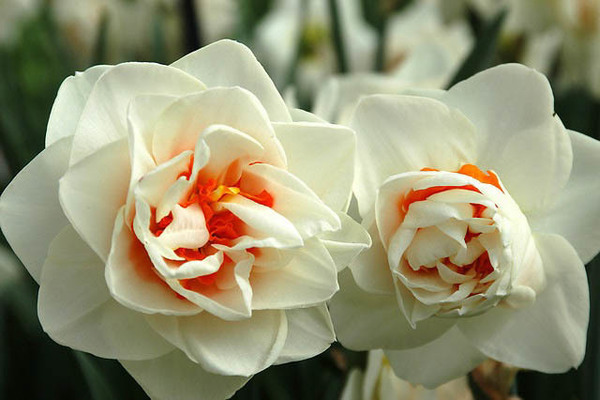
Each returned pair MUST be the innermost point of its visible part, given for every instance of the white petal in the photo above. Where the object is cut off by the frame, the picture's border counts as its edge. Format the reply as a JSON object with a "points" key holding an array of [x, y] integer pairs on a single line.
{"points": [[269, 228], [141, 116], [322, 155], [132, 280], [176, 377], [243, 347], [228, 63], [337, 99], [387, 202], [231, 304], [292, 198], [549, 335], [402, 133], [155, 185], [365, 321], [76, 310], [371, 268], [353, 386], [104, 118], [30, 213], [228, 146], [70, 101], [347, 243], [188, 229], [429, 245], [309, 278], [92, 192], [447, 357], [576, 215], [310, 332], [512, 108], [299, 115], [180, 125]]}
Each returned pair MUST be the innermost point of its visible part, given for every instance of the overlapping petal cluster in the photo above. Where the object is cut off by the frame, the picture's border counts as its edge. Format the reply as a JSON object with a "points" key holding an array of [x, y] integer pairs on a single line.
{"points": [[483, 209], [181, 222]]}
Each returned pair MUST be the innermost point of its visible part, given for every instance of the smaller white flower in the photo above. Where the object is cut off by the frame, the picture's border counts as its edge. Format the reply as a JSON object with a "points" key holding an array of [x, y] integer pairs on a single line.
{"points": [[483, 209]]}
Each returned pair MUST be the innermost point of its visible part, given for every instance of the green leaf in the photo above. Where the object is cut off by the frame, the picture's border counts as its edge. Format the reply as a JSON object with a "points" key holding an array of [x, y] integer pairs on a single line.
{"points": [[99, 388], [483, 52], [338, 39]]}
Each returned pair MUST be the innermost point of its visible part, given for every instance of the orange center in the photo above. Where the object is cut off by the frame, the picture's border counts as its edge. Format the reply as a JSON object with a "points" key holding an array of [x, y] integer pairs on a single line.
{"points": [[481, 265], [223, 226]]}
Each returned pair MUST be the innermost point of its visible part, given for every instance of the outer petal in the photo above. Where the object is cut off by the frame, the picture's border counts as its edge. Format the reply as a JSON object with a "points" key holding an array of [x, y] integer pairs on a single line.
{"points": [[347, 243], [357, 316], [104, 118], [175, 377], [310, 332], [92, 192], [132, 281], [520, 138], [554, 327], [76, 310], [338, 98], [371, 268], [309, 278], [576, 215], [402, 133], [70, 101], [328, 171], [179, 127], [236, 66], [448, 357], [243, 347], [30, 204]]}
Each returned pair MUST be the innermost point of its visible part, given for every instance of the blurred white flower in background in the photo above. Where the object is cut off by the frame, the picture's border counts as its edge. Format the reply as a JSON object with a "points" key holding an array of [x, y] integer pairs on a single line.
{"points": [[130, 27], [299, 32], [561, 34], [217, 19], [421, 48], [12, 14], [378, 382], [422, 51]]}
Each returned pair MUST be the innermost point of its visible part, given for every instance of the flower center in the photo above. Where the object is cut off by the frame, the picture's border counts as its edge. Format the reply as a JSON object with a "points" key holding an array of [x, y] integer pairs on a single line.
{"points": [[223, 226], [452, 241]]}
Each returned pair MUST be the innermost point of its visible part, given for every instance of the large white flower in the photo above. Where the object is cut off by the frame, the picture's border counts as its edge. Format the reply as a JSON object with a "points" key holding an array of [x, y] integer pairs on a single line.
{"points": [[467, 264], [181, 222]]}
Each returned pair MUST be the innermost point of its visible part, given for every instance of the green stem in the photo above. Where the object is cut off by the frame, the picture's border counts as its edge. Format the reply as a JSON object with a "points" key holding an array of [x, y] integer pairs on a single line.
{"points": [[338, 40]]}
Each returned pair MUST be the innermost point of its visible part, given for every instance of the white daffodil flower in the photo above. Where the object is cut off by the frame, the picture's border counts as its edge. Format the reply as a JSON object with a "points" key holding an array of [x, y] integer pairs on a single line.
{"points": [[483, 210], [180, 221], [378, 382]]}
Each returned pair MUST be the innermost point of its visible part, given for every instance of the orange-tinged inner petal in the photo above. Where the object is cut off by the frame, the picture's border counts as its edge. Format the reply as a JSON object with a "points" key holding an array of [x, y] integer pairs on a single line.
{"points": [[223, 226], [481, 267]]}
